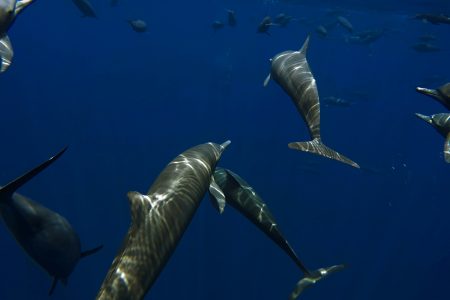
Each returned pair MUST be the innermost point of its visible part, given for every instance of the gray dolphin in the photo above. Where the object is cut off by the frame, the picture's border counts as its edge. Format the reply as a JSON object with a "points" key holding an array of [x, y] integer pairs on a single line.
{"points": [[158, 221], [46, 236], [441, 122], [240, 195], [441, 94], [138, 25], [291, 71], [86, 8], [9, 9]]}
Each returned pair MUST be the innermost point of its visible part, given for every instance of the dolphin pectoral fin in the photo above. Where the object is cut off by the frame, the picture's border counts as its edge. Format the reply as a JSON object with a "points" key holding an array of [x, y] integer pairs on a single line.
{"points": [[11, 187], [217, 196], [266, 81], [447, 148], [21, 4], [91, 251], [6, 53], [312, 278], [52, 288], [317, 147], [305, 46]]}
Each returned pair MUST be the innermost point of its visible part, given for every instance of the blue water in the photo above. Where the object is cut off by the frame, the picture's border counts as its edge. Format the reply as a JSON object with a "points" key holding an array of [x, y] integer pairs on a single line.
{"points": [[128, 103]]}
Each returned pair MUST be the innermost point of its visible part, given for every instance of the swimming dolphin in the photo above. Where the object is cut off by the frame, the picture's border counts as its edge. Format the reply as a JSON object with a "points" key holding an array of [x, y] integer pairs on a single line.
{"points": [[232, 21], [425, 47], [158, 221], [264, 26], [46, 236], [240, 195], [433, 19], [441, 94], [9, 10], [138, 25], [441, 122], [86, 8], [344, 22], [291, 71]]}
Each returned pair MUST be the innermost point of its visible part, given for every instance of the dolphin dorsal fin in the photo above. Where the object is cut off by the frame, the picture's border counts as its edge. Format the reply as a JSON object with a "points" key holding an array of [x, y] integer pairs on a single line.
{"points": [[11, 187], [52, 288], [305, 46], [140, 205], [91, 251]]}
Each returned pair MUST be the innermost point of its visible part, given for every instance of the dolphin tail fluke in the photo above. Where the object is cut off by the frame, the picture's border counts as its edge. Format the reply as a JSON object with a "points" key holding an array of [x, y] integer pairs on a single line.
{"points": [[6, 53], [317, 147], [11, 187], [91, 251], [312, 278]]}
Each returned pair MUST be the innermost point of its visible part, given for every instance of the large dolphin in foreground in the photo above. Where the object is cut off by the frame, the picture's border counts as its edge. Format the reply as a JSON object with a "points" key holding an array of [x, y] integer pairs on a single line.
{"points": [[158, 221], [9, 9], [441, 94], [240, 195], [291, 71], [441, 122], [46, 236]]}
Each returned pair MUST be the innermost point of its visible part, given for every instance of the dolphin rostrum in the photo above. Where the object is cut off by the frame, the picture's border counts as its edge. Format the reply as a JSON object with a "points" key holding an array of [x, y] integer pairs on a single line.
{"points": [[441, 94], [46, 236], [9, 9], [158, 221], [441, 122], [291, 71], [240, 195]]}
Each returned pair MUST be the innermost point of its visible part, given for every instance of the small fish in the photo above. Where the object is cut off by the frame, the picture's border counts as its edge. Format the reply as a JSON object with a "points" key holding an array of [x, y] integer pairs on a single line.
{"points": [[86, 8], [345, 23], [231, 18], [138, 25], [216, 25]]}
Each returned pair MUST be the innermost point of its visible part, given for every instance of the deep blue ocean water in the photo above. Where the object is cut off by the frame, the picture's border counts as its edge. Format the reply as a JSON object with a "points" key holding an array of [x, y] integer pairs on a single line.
{"points": [[128, 103]]}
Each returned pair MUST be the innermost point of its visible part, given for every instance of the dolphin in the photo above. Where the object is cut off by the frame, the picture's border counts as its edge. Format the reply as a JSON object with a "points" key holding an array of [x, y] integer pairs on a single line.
{"points": [[158, 221], [232, 21], [86, 8], [264, 26], [433, 18], [441, 122], [46, 236], [291, 71], [138, 25], [441, 94], [240, 195], [344, 22], [9, 9]]}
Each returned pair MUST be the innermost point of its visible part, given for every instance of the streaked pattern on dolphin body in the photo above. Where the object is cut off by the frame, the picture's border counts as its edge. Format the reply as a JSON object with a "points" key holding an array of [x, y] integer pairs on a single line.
{"points": [[86, 8], [291, 71], [9, 9], [441, 94], [46, 236], [159, 220], [240, 195], [441, 122]]}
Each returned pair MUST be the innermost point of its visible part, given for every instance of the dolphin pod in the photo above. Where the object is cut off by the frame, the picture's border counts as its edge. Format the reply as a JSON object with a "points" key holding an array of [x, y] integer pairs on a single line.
{"points": [[46, 236], [240, 195], [9, 10], [158, 221], [441, 122], [291, 71]]}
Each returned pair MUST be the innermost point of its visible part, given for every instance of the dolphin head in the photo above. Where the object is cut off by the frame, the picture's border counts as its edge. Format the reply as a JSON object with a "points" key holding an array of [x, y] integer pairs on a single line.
{"points": [[7, 14]]}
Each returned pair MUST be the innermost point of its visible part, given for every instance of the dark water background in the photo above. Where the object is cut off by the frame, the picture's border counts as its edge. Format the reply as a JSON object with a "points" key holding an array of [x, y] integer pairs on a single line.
{"points": [[127, 104]]}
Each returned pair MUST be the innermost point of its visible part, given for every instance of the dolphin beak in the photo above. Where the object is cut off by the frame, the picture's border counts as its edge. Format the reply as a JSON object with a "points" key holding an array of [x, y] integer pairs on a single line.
{"points": [[426, 91], [425, 118], [224, 145]]}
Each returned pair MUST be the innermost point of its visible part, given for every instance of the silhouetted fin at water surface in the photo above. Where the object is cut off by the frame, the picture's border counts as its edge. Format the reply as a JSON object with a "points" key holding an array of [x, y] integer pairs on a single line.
{"points": [[9, 9], [240, 195], [291, 71], [46, 236], [441, 94], [158, 221], [441, 122]]}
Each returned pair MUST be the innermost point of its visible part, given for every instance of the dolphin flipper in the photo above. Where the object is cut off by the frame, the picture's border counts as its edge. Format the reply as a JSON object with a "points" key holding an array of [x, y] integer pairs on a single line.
{"points": [[317, 147], [447, 148], [6, 53], [91, 251], [21, 4], [311, 279], [217, 196], [11, 187]]}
